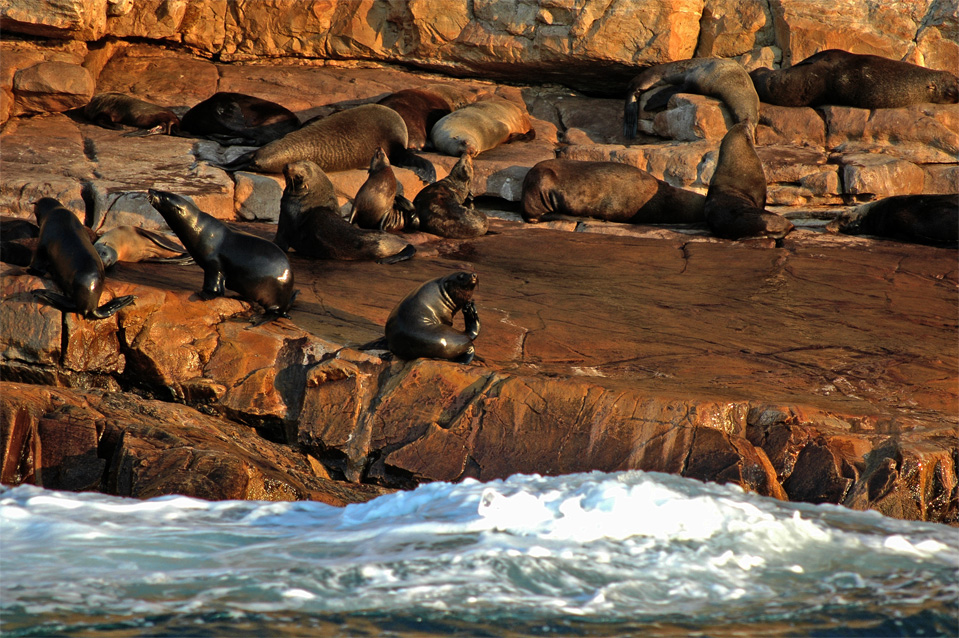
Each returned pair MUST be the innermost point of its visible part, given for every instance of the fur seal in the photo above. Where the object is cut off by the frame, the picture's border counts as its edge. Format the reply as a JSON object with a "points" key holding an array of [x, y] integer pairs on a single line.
{"points": [[340, 142], [923, 219], [65, 251], [239, 119], [311, 224], [231, 260], [610, 191], [12, 231], [110, 110], [376, 205], [736, 199], [420, 109], [421, 325], [726, 80], [851, 79], [481, 126], [132, 244], [440, 206]]}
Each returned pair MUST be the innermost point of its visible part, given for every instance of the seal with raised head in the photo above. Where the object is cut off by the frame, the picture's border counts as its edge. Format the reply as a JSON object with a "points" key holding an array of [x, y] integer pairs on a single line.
{"points": [[482, 126], [852, 79], [736, 199], [610, 191], [922, 219], [110, 110], [421, 325], [340, 142], [237, 118], [377, 205], [65, 251], [133, 244], [251, 266], [726, 80], [311, 224], [441, 207]]}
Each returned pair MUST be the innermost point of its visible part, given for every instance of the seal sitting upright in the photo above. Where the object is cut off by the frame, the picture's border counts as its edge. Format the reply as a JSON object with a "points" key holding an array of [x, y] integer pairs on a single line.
{"points": [[231, 260], [421, 325], [65, 250], [377, 205], [440, 206]]}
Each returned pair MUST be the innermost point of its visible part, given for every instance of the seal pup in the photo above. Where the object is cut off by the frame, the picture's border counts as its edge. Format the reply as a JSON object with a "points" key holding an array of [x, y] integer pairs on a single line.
{"points": [[251, 266], [239, 119], [922, 219], [610, 191], [340, 142], [852, 79], [481, 126], [112, 109], [133, 244], [311, 224], [726, 80], [736, 199], [64, 250], [377, 205], [421, 325], [440, 206]]}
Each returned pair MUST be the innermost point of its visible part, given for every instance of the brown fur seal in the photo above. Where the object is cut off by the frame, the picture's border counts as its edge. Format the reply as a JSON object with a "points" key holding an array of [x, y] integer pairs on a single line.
{"points": [[310, 222], [420, 109], [376, 205], [65, 251], [923, 219], [110, 110], [736, 199], [726, 80], [133, 244], [235, 118], [421, 325], [231, 260], [609, 191], [851, 79], [340, 142], [440, 206], [481, 126]]}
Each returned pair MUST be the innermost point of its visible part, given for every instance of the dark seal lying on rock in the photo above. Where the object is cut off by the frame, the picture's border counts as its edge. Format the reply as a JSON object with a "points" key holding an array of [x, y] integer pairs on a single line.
{"points": [[421, 325], [65, 251], [851, 79], [420, 109], [110, 110], [231, 260], [440, 206], [923, 219], [311, 224], [376, 205], [133, 244], [236, 118], [610, 191]]}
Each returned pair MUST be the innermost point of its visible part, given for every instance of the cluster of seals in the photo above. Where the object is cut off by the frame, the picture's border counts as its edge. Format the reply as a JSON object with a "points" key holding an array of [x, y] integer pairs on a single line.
{"points": [[736, 199], [481, 126], [922, 219], [133, 244], [850, 79], [110, 110], [236, 118], [421, 325], [610, 191], [311, 224], [249, 265], [441, 207], [377, 205], [64, 250], [726, 80]]}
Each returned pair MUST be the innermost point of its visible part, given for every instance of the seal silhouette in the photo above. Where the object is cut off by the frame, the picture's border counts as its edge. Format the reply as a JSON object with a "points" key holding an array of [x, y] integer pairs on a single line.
{"points": [[133, 244], [922, 219], [237, 118], [421, 325], [111, 109], [64, 250], [481, 126], [251, 266], [440, 207], [377, 205]]}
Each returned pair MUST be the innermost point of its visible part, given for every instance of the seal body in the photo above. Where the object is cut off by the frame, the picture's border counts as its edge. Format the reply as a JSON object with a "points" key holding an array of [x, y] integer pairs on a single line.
{"points": [[736, 199], [440, 207], [376, 205], [133, 244], [421, 325], [251, 266], [610, 191], [851, 79], [110, 110], [922, 219], [65, 251], [481, 126], [237, 118], [311, 224], [420, 110]]}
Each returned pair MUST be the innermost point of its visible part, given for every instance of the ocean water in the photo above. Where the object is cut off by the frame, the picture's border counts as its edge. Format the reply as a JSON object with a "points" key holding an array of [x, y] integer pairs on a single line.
{"points": [[597, 554]]}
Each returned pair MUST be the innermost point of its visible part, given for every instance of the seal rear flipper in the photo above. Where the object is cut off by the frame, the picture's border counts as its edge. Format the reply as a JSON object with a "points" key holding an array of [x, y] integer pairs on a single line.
{"points": [[660, 99], [110, 308], [56, 300], [15, 253], [466, 357], [377, 344], [159, 129], [419, 165], [243, 162], [403, 255]]}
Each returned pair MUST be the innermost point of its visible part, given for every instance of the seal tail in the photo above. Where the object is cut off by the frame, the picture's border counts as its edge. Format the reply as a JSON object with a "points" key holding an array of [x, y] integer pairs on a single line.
{"points": [[419, 165]]}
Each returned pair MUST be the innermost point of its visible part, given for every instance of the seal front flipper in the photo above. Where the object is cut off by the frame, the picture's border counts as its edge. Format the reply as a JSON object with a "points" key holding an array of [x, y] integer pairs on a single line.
{"points": [[403, 255], [55, 299], [466, 357], [110, 308], [471, 318], [214, 283], [419, 165]]}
